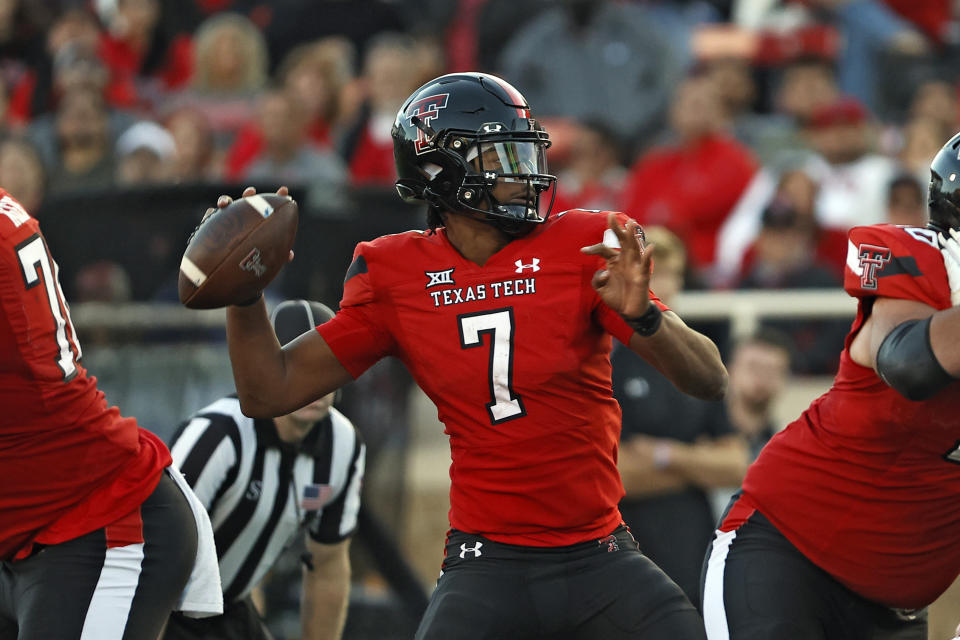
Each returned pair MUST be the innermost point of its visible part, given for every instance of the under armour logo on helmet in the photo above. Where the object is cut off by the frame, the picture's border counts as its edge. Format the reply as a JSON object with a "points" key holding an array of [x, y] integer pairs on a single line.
{"points": [[475, 550], [492, 127], [534, 264]]}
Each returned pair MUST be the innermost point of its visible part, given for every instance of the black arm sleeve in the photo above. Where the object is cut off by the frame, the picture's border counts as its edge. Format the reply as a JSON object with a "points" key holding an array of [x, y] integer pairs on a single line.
{"points": [[907, 364]]}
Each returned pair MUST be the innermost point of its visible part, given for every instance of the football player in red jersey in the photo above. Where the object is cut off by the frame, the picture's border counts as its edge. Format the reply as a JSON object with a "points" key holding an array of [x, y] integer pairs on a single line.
{"points": [[848, 523], [97, 538], [505, 320]]}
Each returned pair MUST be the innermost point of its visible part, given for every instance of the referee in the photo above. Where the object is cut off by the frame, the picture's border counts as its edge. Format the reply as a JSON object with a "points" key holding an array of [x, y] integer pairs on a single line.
{"points": [[262, 481]]}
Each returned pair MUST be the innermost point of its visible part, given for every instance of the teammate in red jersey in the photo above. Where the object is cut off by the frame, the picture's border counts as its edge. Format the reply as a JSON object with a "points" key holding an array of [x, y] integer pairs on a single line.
{"points": [[848, 523], [96, 538], [505, 321]]}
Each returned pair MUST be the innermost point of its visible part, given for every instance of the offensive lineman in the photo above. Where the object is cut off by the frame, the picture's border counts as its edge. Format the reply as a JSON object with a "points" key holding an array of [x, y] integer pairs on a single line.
{"points": [[98, 537], [847, 524]]}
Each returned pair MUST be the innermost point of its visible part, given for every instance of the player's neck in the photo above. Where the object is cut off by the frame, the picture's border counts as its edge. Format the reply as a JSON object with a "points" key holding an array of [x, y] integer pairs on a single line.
{"points": [[475, 239]]}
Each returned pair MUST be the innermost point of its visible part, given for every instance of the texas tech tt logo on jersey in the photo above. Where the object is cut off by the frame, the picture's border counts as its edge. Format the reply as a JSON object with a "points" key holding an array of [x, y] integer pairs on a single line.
{"points": [[872, 260], [426, 109]]}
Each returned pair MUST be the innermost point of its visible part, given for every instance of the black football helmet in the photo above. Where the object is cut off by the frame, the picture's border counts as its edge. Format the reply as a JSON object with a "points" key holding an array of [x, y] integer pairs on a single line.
{"points": [[460, 134], [944, 198]]}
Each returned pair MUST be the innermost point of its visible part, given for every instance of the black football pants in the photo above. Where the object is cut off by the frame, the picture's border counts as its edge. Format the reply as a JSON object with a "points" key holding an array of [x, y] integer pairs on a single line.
{"points": [[240, 621], [758, 586], [85, 589], [601, 589]]}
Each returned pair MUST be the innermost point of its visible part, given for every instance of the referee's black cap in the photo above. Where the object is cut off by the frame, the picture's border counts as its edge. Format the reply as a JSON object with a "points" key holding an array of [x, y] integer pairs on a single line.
{"points": [[292, 318]]}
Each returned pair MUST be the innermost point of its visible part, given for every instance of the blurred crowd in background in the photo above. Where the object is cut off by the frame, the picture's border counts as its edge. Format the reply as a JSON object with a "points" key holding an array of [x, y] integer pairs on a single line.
{"points": [[758, 131]]}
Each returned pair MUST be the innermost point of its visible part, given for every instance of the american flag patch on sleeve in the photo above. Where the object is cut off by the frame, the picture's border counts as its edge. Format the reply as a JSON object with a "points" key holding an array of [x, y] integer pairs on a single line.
{"points": [[315, 496]]}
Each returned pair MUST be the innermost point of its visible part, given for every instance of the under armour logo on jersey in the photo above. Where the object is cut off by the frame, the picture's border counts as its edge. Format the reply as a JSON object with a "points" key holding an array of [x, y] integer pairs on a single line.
{"points": [[475, 550], [439, 277], [534, 264], [872, 260]]}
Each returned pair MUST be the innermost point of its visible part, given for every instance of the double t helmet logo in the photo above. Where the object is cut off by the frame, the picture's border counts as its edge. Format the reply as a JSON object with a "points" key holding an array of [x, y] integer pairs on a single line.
{"points": [[426, 109]]}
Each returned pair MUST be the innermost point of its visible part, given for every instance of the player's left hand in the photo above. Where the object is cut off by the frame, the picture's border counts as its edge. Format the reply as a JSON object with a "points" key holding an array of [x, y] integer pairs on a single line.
{"points": [[625, 284], [950, 248]]}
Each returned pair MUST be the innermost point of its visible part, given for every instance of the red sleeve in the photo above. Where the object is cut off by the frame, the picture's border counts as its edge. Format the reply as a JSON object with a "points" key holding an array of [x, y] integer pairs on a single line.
{"points": [[896, 262], [357, 335]]}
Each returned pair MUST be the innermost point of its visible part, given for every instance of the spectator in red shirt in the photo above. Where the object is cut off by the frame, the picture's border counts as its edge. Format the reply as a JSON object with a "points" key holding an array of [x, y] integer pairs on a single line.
{"points": [[35, 92], [144, 61], [390, 72], [794, 182], [785, 257], [692, 184]]}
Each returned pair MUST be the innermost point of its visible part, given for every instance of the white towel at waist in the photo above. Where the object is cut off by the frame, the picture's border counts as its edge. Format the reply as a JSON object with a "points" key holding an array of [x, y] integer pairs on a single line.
{"points": [[203, 595]]}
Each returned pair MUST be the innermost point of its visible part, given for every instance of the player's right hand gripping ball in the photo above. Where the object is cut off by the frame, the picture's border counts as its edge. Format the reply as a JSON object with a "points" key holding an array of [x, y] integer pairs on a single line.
{"points": [[237, 251]]}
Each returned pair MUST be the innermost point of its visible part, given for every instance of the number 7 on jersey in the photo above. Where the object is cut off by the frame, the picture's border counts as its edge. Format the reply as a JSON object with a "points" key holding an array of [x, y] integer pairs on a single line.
{"points": [[36, 266], [498, 324]]}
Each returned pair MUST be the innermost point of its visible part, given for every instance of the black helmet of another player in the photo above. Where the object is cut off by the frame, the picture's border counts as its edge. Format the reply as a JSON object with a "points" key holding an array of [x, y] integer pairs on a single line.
{"points": [[293, 318], [944, 198], [459, 135]]}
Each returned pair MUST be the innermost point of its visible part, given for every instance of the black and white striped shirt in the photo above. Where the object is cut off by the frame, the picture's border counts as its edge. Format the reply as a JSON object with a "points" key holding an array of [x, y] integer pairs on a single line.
{"points": [[259, 490]]}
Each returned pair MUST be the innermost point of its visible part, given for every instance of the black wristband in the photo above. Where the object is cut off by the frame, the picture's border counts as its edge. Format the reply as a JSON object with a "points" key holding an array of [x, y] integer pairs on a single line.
{"points": [[252, 301], [647, 324]]}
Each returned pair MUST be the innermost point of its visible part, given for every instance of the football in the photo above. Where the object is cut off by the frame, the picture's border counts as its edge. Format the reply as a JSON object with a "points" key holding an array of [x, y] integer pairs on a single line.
{"points": [[237, 250]]}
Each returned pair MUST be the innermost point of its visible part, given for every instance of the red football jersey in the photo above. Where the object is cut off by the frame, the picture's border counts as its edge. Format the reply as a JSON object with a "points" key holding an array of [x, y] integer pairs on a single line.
{"points": [[867, 483], [515, 355], [69, 464]]}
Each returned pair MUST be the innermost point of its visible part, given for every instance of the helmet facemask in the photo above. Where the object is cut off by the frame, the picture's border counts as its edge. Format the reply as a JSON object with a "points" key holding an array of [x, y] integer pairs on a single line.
{"points": [[495, 173]]}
